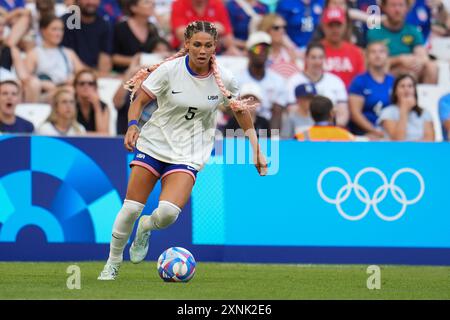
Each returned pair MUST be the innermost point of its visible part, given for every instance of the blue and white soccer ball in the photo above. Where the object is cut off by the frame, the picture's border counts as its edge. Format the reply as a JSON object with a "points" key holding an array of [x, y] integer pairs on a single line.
{"points": [[176, 264]]}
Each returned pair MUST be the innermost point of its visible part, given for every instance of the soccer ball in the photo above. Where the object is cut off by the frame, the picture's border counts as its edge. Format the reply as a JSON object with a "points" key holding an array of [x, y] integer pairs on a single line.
{"points": [[176, 264]]}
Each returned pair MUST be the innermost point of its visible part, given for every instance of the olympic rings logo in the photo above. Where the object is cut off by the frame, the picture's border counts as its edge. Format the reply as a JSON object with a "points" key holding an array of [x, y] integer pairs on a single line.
{"points": [[363, 195]]}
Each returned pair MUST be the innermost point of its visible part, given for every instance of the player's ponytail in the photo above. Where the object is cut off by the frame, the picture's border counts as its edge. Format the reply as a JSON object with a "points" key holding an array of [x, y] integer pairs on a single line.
{"points": [[135, 82], [235, 104]]}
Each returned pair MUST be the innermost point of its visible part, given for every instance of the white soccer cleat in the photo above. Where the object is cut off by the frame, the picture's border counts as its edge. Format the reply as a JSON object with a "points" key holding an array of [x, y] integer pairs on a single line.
{"points": [[110, 271], [139, 247]]}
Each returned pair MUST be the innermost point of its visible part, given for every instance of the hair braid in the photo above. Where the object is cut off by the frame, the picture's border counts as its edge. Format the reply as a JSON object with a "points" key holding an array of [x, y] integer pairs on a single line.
{"points": [[192, 28], [135, 82], [235, 104]]}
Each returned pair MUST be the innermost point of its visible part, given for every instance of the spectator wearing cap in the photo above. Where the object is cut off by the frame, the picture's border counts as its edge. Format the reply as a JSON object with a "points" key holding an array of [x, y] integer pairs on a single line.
{"points": [[93, 40], [444, 115], [343, 58], [9, 99], [324, 128], [356, 18], [274, 95], [302, 17], [187, 11], [261, 124], [405, 43], [300, 119], [370, 92], [326, 83]]}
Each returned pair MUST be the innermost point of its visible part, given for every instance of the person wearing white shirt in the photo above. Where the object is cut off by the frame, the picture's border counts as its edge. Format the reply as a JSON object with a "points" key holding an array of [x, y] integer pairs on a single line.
{"points": [[274, 95], [178, 139], [62, 120], [326, 84]]}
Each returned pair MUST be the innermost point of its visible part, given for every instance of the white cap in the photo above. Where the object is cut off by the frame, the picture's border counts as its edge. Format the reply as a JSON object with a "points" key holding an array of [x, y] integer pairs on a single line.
{"points": [[257, 38], [251, 89]]}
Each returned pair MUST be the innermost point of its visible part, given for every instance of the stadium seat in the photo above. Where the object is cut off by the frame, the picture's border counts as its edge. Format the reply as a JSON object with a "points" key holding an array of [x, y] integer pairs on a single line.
{"points": [[107, 88], [440, 48], [444, 73], [235, 64], [36, 113], [429, 95]]}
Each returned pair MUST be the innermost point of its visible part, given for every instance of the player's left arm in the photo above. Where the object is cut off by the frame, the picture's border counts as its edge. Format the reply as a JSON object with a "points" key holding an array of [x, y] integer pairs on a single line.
{"points": [[246, 123]]}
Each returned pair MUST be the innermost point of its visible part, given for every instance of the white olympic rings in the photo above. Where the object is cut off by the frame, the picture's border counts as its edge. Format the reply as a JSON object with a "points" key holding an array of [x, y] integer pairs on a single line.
{"points": [[363, 195]]}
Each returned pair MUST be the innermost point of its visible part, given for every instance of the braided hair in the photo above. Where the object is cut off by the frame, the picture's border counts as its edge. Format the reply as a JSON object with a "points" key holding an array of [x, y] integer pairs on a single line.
{"points": [[136, 81]]}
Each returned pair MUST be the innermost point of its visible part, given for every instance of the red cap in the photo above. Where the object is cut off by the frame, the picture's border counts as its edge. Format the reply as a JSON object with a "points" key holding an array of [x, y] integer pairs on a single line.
{"points": [[333, 15]]}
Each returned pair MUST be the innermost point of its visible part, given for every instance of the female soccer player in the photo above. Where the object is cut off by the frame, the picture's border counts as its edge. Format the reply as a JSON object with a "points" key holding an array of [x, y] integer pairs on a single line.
{"points": [[177, 140]]}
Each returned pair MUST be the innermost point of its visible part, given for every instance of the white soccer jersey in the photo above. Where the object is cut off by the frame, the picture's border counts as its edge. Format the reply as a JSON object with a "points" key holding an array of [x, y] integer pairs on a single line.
{"points": [[330, 86], [182, 129]]}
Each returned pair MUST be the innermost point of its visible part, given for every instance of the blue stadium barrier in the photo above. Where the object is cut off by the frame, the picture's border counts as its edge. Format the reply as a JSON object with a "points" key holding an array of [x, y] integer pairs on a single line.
{"points": [[383, 203]]}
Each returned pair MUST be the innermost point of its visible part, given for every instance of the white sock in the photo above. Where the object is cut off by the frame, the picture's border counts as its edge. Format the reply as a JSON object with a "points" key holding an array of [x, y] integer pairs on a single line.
{"points": [[162, 217], [123, 226]]}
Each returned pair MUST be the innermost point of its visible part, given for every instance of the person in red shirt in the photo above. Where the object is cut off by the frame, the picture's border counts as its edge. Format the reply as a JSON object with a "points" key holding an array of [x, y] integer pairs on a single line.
{"points": [[344, 59], [187, 11]]}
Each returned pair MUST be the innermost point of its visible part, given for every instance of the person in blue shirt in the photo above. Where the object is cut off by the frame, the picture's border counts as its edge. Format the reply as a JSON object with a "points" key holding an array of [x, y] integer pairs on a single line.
{"points": [[302, 17], [9, 98], [420, 15], [369, 92], [110, 10], [444, 115], [240, 12], [10, 5]]}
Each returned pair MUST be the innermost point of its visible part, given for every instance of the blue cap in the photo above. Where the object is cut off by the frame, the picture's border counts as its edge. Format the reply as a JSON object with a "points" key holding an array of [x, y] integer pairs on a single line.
{"points": [[305, 89]]}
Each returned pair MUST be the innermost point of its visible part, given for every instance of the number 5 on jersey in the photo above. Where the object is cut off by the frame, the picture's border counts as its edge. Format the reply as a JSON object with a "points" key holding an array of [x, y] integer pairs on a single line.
{"points": [[190, 113]]}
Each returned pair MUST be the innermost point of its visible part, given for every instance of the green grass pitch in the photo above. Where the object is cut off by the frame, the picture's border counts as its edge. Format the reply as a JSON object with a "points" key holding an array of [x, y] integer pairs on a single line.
{"points": [[224, 281]]}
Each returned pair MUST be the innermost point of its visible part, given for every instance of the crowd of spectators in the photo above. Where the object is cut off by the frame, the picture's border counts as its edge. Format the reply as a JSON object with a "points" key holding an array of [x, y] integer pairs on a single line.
{"points": [[364, 58]]}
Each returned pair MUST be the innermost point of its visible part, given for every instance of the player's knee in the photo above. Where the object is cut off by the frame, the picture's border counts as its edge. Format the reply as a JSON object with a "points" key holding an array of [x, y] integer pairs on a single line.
{"points": [[166, 214], [132, 209]]}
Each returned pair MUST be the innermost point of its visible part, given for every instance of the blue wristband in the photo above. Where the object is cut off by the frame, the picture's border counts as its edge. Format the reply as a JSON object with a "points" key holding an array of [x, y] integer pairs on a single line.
{"points": [[132, 123]]}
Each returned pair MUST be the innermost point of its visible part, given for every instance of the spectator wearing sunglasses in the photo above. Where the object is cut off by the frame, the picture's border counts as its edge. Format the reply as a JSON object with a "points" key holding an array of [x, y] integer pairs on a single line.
{"points": [[282, 56], [93, 113], [274, 95]]}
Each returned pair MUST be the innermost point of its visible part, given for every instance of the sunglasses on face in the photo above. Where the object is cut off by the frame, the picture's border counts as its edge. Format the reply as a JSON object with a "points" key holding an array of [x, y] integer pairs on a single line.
{"points": [[278, 27], [259, 48], [86, 83]]}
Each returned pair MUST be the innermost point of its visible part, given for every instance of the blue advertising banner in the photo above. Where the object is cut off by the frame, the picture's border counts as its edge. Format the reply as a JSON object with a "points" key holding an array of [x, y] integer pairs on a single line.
{"points": [[330, 194], [320, 203]]}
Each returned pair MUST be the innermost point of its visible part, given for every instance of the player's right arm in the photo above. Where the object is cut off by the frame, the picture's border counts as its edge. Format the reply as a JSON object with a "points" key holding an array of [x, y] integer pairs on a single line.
{"points": [[136, 107]]}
